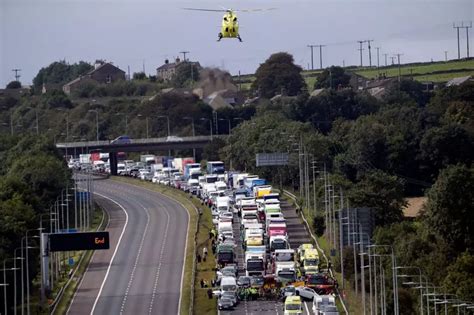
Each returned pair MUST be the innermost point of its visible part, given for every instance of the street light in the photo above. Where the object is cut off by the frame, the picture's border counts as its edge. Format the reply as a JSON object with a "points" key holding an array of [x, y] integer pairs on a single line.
{"points": [[126, 121], [5, 280], [146, 119], [228, 120], [168, 121], [421, 290], [210, 124], [96, 121], [37, 124], [194, 134]]}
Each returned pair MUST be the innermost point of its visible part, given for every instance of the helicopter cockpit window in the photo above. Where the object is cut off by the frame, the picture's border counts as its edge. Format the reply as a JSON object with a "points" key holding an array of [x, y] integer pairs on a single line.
{"points": [[225, 19], [235, 19]]}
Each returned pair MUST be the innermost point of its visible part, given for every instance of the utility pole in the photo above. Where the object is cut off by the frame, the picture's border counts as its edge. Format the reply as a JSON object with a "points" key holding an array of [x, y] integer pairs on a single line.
{"points": [[17, 76], [457, 30], [393, 58], [370, 54], [385, 59], [312, 62], [445, 55], [467, 27], [321, 55], [378, 60], [399, 69], [143, 66], [361, 42], [184, 54]]}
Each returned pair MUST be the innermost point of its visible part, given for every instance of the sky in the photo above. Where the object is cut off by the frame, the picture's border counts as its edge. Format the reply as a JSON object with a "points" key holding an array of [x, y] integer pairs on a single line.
{"points": [[143, 33]]}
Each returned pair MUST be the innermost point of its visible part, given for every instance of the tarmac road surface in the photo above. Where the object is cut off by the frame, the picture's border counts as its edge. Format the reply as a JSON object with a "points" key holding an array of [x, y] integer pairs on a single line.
{"points": [[142, 271]]}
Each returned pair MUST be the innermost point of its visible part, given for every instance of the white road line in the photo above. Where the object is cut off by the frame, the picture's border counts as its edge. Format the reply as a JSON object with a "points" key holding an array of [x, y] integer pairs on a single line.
{"points": [[132, 275], [306, 307], [157, 275], [88, 265], [115, 251], [186, 242]]}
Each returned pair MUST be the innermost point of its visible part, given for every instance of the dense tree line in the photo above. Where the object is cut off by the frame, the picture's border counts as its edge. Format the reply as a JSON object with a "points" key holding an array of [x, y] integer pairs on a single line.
{"points": [[32, 174]]}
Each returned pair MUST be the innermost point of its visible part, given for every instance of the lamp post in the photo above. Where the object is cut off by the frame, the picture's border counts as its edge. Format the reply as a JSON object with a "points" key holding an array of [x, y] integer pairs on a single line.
{"points": [[5, 280], [126, 121], [419, 271], [228, 121], [14, 275], [194, 134], [210, 124], [146, 120], [96, 121], [168, 122], [394, 274], [37, 124]]}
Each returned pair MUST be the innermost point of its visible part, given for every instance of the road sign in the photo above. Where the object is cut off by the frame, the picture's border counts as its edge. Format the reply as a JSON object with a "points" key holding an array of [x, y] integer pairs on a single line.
{"points": [[71, 261], [83, 195], [271, 159], [62, 242]]}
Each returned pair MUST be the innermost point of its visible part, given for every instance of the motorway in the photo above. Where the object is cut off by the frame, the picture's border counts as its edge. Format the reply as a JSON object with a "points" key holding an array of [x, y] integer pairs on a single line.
{"points": [[142, 271]]}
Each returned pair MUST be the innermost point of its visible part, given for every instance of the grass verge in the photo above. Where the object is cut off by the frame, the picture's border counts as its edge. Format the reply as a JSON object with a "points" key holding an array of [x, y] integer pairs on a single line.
{"points": [[63, 303], [198, 236]]}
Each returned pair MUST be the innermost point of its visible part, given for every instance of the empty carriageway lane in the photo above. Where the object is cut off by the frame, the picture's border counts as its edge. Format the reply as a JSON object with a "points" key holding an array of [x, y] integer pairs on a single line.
{"points": [[145, 275]]}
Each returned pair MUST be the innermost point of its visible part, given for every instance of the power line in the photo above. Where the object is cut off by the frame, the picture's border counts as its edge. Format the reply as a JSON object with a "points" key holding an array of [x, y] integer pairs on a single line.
{"points": [[184, 54], [385, 59], [370, 55], [378, 60], [17, 76], [312, 62], [399, 69], [457, 30], [467, 37], [361, 49]]}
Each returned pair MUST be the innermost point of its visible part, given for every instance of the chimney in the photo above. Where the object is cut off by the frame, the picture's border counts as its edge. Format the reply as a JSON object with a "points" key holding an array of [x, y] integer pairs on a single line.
{"points": [[178, 60], [167, 61]]}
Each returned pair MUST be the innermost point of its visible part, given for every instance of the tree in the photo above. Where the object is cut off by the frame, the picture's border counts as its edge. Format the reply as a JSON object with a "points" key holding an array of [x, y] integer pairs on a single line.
{"points": [[333, 77], [278, 73], [382, 193], [139, 76], [460, 277], [186, 74], [60, 72], [14, 85], [449, 207]]}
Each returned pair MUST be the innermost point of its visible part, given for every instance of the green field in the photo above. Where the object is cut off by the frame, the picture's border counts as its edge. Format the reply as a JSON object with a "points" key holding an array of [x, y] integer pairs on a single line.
{"points": [[437, 72]]}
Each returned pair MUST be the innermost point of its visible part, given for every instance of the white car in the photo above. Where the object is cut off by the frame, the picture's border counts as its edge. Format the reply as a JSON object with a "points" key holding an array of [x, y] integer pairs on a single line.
{"points": [[226, 216], [306, 293]]}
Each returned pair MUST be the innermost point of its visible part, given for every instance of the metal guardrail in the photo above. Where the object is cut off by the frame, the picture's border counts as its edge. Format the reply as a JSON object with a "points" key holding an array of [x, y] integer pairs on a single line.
{"points": [[294, 198]]}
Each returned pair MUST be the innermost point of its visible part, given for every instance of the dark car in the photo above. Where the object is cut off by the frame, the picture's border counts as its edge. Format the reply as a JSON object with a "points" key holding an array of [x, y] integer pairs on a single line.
{"points": [[244, 282], [225, 303], [121, 140]]}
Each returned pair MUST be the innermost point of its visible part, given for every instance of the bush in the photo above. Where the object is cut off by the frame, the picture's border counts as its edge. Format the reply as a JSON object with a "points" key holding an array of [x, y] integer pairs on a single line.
{"points": [[319, 225], [14, 85]]}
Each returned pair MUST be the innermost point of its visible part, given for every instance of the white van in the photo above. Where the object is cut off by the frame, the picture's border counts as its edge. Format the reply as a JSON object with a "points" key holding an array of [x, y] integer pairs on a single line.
{"points": [[228, 284]]}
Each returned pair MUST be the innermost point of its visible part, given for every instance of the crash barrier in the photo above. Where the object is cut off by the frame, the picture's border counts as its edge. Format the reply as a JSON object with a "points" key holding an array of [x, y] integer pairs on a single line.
{"points": [[294, 198]]}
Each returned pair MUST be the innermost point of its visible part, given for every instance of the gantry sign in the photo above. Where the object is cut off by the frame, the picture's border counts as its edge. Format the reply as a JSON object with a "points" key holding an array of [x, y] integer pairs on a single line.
{"points": [[62, 242]]}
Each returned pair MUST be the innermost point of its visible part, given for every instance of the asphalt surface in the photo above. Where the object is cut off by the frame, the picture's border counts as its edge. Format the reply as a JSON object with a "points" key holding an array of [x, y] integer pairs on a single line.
{"points": [[142, 271]]}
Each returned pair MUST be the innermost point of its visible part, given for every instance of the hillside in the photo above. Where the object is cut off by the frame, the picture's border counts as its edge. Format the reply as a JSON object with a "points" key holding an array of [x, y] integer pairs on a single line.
{"points": [[438, 72]]}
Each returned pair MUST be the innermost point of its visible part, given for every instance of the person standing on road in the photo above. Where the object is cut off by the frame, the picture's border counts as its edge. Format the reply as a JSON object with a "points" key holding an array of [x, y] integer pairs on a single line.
{"points": [[204, 251]]}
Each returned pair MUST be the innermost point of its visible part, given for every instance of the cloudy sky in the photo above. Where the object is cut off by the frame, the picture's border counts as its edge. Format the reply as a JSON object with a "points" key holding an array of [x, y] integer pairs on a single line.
{"points": [[34, 33]]}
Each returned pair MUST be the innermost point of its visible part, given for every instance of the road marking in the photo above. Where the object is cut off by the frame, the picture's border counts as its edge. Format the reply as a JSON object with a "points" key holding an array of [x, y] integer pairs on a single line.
{"points": [[91, 259], [132, 275], [187, 235], [306, 307], [157, 275], [115, 251]]}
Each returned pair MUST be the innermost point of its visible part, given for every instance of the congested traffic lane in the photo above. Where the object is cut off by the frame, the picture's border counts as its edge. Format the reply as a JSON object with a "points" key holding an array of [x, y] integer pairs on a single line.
{"points": [[145, 275]]}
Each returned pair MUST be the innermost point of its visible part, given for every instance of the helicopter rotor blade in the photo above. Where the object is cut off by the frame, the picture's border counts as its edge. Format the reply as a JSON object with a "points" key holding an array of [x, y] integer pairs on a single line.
{"points": [[207, 10], [255, 10]]}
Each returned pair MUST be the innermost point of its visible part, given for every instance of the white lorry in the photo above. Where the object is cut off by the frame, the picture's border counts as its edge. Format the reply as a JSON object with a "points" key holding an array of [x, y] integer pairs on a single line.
{"points": [[255, 260]]}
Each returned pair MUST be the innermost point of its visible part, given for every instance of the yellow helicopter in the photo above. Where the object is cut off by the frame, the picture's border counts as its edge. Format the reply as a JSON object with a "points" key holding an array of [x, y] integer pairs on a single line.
{"points": [[230, 25]]}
